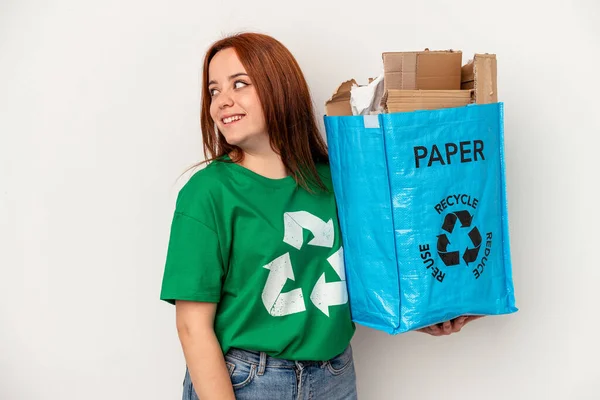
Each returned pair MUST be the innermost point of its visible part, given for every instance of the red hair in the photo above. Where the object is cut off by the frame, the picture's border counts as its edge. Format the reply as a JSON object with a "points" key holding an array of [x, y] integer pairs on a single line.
{"points": [[286, 104]]}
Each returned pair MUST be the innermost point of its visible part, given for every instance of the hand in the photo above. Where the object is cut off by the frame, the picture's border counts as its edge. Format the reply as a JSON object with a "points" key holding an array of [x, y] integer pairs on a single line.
{"points": [[449, 327]]}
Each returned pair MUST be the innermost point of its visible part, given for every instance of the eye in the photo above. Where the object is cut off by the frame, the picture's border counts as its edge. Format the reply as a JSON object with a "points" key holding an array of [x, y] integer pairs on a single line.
{"points": [[213, 92], [239, 84]]}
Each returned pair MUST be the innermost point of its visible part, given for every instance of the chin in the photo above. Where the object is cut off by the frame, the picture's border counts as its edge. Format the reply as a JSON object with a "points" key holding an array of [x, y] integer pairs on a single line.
{"points": [[245, 140], [235, 140]]}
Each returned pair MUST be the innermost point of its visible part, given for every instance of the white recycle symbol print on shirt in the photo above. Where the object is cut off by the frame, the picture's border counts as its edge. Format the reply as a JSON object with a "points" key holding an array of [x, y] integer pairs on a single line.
{"points": [[324, 294]]}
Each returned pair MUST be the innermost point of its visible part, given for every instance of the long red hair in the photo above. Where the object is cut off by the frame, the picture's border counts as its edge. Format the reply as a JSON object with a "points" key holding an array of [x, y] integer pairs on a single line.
{"points": [[286, 103]]}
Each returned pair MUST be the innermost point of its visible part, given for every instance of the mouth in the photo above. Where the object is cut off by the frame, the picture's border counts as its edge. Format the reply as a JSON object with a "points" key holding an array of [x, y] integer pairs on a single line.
{"points": [[232, 119]]}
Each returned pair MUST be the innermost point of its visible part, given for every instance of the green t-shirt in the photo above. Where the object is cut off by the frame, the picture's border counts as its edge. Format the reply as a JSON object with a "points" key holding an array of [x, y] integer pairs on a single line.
{"points": [[270, 253]]}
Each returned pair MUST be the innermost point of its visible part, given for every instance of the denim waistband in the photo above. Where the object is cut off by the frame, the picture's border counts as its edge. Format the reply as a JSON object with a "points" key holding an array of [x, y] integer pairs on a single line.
{"points": [[263, 360]]}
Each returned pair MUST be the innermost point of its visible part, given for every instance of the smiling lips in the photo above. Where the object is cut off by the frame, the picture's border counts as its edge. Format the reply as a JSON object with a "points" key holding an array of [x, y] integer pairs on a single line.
{"points": [[232, 119]]}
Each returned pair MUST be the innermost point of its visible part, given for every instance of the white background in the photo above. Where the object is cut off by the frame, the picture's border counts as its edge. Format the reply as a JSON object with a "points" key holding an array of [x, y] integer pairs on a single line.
{"points": [[99, 116]]}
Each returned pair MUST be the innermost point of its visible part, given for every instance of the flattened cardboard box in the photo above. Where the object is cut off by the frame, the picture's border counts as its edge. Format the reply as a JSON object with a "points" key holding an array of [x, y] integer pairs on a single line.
{"points": [[411, 100], [425, 70], [339, 103], [481, 75]]}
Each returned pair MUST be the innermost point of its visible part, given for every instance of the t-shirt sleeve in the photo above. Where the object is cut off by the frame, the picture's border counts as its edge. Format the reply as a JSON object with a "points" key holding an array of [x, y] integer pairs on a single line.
{"points": [[194, 268]]}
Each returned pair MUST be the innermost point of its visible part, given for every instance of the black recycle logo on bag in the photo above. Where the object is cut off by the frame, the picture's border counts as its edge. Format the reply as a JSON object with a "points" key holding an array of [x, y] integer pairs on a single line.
{"points": [[469, 255], [460, 240]]}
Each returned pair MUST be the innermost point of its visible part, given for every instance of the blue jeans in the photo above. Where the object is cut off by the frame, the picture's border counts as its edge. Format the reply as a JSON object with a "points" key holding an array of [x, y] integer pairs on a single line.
{"points": [[256, 376]]}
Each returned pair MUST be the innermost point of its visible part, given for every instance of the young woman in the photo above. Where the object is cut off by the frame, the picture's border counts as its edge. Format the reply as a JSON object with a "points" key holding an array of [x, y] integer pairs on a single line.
{"points": [[255, 259]]}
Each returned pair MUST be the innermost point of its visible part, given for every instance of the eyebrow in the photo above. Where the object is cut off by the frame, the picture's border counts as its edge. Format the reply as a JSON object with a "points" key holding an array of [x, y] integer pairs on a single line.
{"points": [[213, 82]]}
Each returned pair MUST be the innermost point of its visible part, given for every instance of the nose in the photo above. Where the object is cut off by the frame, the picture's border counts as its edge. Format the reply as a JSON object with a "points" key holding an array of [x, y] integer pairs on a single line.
{"points": [[224, 100]]}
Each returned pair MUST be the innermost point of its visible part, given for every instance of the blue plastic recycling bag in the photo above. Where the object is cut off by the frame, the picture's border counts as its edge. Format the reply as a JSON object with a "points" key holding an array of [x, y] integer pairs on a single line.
{"points": [[422, 206]]}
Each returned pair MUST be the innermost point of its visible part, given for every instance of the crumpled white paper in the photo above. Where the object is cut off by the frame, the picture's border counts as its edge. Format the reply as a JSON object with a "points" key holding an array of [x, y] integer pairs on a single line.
{"points": [[365, 100]]}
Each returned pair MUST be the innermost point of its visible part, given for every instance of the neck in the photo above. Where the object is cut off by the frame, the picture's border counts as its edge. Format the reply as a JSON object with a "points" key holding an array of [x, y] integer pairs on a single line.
{"points": [[266, 163]]}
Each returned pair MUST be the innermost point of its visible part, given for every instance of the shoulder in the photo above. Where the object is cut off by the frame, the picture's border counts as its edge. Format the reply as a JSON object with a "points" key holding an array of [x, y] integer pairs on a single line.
{"points": [[204, 180], [200, 195]]}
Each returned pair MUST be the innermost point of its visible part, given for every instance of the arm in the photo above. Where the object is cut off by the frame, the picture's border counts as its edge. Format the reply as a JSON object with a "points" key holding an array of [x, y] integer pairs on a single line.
{"points": [[202, 351]]}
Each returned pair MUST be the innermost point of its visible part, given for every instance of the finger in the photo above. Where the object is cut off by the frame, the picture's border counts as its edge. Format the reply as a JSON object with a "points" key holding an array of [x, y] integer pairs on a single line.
{"points": [[436, 330], [426, 330], [458, 324], [447, 327]]}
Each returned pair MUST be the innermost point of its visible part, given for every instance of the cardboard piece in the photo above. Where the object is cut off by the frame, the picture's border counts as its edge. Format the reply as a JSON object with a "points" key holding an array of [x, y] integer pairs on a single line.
{"points": [[412, 100], [480, 74], [426, 70], [339, 103]]}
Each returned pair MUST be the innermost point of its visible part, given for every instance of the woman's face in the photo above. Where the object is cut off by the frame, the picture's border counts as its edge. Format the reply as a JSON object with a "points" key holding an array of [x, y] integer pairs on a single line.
{"points": [[235, 106]]}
